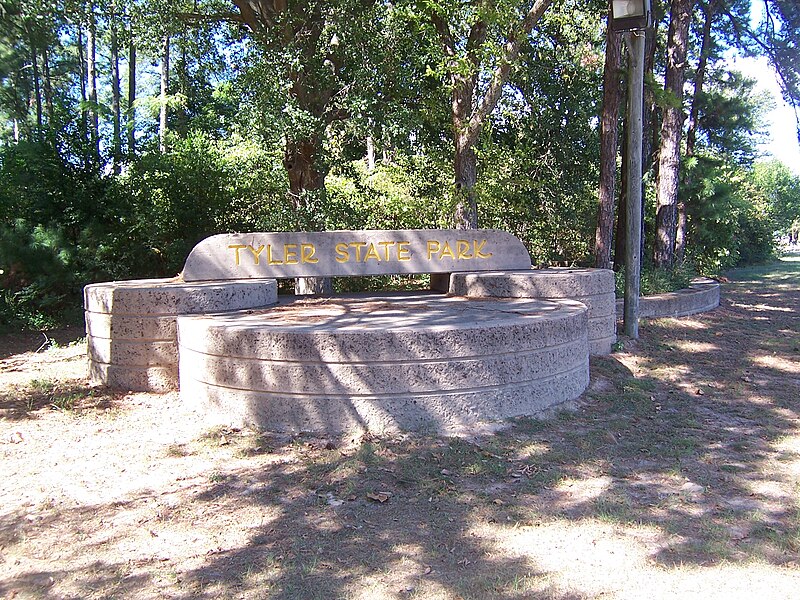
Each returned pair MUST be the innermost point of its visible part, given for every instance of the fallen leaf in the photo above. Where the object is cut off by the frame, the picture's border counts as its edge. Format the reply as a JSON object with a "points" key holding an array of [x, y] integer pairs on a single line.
{"points": [[379, 497], [738, 533], [446, 473], [498, 501], [16, 438], [428, 570], [332, 500], [699, 392]]}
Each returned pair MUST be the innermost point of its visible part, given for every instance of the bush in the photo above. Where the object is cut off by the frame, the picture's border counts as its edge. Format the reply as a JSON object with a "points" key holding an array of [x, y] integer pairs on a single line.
{"points": [[658, 281]]}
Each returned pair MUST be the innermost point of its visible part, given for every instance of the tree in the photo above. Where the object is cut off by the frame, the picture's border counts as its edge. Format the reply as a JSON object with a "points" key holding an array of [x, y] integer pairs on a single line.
{"points": [[609, 122], [473, 56], [671, 132]]}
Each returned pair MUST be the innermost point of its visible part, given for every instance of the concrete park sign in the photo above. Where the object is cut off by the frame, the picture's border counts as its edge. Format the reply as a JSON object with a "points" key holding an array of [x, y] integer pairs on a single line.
{"points": [[353, 253]]}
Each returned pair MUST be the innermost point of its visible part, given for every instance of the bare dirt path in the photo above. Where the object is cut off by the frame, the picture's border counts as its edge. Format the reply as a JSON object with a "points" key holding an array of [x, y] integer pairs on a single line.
{"points": [[678, 476]]}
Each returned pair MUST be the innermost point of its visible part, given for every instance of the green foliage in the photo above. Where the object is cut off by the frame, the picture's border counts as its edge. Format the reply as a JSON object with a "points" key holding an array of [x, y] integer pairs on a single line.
{"points": [[403, 195], [728, 224], [50, 232], [732, 115], [777, 191], [335, 74], [658, 281], [64, 227]]}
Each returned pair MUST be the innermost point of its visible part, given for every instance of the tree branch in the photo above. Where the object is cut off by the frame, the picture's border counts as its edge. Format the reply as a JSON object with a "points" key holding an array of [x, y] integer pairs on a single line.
{"points": [[443, 29], [218, 17], [477, 36], [501, 73]]}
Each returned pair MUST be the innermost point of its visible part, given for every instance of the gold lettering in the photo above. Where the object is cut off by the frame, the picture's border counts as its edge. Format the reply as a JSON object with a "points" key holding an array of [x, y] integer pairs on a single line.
{"points": [[386, 246], [478, 247], [236, 248], [270, 260], [358, 246], [342, 254], [255, 252], [433, 248], [372, 253], [447, 251], [462, 250], [403, 253], [290, 254], [307, 252]]}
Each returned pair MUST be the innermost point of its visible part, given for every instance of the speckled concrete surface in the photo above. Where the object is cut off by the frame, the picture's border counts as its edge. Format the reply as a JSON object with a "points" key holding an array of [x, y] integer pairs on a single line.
{"points": [[701, 296], [592, 287], [132, 330], [387, 362]]}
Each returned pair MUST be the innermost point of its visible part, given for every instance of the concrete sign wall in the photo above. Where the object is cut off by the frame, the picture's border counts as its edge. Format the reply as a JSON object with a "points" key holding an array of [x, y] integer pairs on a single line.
{"points": [[346, 253]]}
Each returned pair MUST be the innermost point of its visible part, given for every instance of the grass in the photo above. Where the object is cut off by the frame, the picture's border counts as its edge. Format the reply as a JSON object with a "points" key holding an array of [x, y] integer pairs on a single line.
{"points": [[55, 394]]}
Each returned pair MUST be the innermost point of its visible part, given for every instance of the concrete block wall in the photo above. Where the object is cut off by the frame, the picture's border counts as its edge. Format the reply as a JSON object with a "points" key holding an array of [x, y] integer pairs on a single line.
{"points": [[131, 326], [701, 296], [592, 287]]}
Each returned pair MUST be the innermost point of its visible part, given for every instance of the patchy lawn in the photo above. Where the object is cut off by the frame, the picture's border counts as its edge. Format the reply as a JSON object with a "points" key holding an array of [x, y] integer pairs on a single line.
{"points": [[677, 476]]}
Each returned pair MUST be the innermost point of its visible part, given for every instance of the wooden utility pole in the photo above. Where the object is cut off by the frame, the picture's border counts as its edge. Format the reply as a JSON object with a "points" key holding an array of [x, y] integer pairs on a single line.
{"points": [[634, 41]]}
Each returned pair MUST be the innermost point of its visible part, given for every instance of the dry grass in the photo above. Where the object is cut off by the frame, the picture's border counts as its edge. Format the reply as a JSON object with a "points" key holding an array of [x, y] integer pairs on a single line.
{"points": [[677, 476]]}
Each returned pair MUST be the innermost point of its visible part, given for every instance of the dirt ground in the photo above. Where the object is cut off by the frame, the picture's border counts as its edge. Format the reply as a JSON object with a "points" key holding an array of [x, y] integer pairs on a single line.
{"points": [[678, 476]]}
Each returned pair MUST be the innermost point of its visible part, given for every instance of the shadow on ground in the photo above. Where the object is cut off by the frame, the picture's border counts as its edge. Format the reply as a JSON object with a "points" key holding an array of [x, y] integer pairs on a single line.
{"points": [[684, 442]]}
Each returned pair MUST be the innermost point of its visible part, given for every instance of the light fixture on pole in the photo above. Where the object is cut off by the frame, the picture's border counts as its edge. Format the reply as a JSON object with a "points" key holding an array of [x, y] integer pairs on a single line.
{"points": [[633, 16], [630, 15]]}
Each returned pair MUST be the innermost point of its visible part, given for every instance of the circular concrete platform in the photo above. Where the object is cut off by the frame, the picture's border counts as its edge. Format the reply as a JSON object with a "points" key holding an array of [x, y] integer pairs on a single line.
{"points": [[592, 287], [384, 363], [131, 325]]}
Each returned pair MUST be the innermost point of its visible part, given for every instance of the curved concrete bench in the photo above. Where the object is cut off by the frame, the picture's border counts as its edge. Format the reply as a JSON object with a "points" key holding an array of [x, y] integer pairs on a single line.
{"points": [[701, 296], [592, 287], [383, 363], [131, 325]]}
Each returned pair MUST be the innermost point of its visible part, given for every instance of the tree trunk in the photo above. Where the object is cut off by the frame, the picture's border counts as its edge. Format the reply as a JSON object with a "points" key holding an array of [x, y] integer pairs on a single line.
{"points": [[620, 241], [466, 176], [182, 72], [48, 90], [91, 80], [131, 116], [609, 126], [162, 120], [700, 76], [691, 131], [468, 120], [82, 78], [306, 178], [300, 161], [37, 99], [671, 129], [650, 133], [370, 154], [115, 98], [465, 161]]}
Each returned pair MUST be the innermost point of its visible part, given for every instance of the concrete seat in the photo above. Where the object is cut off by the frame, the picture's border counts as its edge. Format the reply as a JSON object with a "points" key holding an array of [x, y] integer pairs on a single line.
{"points": [[421, 362]]}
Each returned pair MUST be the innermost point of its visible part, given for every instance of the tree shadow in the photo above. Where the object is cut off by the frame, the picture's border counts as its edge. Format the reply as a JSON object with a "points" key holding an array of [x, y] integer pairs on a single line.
{"points": [[684, 439], [32, 341], [26, 401]]}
